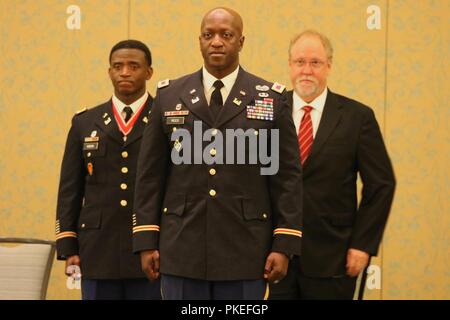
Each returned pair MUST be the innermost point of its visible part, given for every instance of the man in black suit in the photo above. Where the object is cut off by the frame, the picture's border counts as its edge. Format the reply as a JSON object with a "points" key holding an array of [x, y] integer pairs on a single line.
{"points": [[338, 138], [95, 198], [216, 228]]}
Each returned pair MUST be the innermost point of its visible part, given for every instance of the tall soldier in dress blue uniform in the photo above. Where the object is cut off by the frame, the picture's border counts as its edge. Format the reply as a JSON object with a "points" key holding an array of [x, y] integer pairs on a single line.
{"points": [[212, 230], [95, 198]]}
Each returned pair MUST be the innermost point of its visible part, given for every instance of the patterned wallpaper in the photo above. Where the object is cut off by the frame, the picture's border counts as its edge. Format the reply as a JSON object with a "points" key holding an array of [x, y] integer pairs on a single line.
{"points": [[390, 54]]}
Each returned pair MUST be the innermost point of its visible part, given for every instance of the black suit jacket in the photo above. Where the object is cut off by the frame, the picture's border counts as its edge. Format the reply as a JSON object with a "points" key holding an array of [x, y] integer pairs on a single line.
{"points": [[94, 212], [226, 235], [348, 141]]}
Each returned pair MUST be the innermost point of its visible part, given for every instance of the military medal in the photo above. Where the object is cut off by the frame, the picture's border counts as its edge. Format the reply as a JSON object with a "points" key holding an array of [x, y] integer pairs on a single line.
{"points": [[262, 110], [126, 128]]}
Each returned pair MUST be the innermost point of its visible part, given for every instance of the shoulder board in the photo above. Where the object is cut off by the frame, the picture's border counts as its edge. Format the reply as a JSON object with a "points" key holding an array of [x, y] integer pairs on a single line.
{"points": [[163, 83], [81, 111], [278, 87]]}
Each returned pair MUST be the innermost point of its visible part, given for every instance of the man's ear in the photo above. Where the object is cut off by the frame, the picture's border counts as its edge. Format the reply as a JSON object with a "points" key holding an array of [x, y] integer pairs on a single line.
{"points": [[241, 42], [149, 73]]}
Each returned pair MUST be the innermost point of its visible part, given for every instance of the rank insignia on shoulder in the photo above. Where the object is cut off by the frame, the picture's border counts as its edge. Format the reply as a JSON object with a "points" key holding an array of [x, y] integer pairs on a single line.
{"points": [[81, 111], [163, 83], [278, 87]]}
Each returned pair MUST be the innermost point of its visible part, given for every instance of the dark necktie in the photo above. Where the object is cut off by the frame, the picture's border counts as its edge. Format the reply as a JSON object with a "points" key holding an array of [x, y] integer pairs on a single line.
{"points": [[128, 113], [216, 98], [305, 134]]}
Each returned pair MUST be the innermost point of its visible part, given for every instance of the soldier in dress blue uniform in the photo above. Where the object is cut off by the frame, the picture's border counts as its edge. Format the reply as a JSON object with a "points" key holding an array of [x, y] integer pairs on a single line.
{"points": [[96, 190], [217, 231]]}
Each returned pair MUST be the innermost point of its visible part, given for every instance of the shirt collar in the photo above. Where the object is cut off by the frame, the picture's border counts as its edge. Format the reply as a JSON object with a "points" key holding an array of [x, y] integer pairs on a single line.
{"points": [[134, 106], [228, 81], [317, 104]]}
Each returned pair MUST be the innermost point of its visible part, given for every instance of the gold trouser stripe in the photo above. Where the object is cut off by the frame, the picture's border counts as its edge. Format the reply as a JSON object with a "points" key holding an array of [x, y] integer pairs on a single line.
{"points": [[266, 295]]}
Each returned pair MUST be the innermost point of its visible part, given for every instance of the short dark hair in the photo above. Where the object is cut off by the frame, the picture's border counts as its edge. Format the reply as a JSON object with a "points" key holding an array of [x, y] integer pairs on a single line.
{"points": [[133, 44]]}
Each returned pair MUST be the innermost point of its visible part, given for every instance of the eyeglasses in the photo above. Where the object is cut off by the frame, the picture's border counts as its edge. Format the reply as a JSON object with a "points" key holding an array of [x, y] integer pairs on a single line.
{"points": [[315, 64]]}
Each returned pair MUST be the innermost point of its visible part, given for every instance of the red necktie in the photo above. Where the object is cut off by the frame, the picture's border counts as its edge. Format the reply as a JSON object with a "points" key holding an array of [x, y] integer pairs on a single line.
{"points": [[305, 134]]}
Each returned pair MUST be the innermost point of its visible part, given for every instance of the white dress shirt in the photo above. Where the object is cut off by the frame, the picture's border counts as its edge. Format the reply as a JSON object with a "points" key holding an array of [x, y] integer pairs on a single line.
{"points": [[134, 106], [228, 83], [316, 113]]}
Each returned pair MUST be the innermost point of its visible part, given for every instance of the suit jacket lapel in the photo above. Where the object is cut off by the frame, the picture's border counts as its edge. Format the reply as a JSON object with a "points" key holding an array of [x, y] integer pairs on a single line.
{"points": [[108, 124], [331, 116], [194, 99], [236, 101], [139, 125]]}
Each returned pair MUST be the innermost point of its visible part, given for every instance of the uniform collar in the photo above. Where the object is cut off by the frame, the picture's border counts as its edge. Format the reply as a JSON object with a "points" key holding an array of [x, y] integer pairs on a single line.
{"points": [[228, 81], [134, 106]]}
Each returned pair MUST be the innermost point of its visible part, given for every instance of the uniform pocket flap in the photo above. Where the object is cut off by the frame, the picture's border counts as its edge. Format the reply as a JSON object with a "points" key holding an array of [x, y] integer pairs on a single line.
{"points": [[90, 219], [174, 204], [251, 212]]}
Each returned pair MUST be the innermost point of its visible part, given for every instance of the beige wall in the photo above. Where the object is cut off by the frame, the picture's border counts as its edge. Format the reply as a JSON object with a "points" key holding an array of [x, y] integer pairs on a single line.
{"points": [[48, 72]]}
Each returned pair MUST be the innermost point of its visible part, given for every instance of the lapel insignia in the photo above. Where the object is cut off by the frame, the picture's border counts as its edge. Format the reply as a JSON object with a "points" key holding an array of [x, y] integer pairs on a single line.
{"points": [[176, 113], [192, 91], [178, 107], [262, 110], [263, 94], [262, 88], [237, 102], [105, 115], [145, 120], [242, 93], [278, 87], [195, 100], [163, 83], [107, 121]]}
